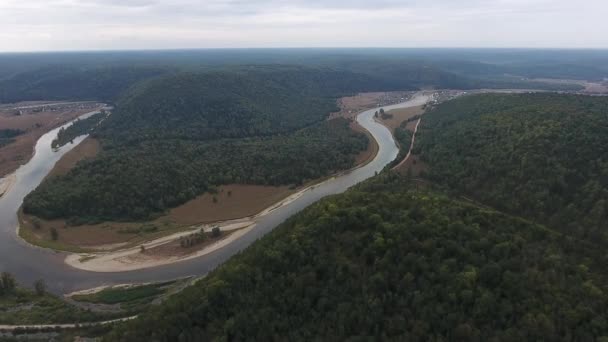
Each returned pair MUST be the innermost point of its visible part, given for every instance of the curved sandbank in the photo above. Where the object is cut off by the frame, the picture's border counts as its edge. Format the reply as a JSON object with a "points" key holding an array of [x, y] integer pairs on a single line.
{"points": [[29, 264]]}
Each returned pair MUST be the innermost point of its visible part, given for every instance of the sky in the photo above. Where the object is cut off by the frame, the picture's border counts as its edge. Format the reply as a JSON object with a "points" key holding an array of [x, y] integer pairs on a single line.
{"points": [[50, 25]]}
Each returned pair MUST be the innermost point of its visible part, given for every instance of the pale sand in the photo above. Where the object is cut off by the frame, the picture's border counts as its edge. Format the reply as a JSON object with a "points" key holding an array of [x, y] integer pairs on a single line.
{"points": [[131, 259], [7, 183]]}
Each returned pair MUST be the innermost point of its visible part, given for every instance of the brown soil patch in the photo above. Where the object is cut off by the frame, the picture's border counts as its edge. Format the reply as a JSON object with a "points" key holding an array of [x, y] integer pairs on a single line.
{"points": [[233, 201], [35, 125], [401, 115], [88, 148]]}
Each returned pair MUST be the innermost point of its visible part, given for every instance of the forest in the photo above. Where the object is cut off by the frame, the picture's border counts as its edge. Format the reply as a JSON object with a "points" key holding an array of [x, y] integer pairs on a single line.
{"points": [[388, 261], [105, 76], [175, 138], [542, 156], [77, 128]]}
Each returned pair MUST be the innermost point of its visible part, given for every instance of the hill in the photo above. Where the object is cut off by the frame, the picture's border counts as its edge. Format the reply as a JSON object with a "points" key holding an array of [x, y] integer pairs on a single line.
{"points": [[386, 262], [176, 137], [542, 156]]}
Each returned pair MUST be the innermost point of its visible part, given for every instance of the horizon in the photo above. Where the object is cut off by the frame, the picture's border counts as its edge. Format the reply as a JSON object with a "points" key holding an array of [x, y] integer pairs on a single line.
{"points": [[320, 48]]}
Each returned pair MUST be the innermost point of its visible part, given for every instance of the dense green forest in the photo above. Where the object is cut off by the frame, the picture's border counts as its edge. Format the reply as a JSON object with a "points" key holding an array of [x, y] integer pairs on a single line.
{"points": [[104, 76], [543, 156], [387, 262], [77, 128], [180, 136]]}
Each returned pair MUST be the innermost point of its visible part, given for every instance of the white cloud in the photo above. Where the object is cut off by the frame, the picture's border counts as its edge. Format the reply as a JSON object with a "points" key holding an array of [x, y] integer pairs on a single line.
{"points": [[134, 24]]}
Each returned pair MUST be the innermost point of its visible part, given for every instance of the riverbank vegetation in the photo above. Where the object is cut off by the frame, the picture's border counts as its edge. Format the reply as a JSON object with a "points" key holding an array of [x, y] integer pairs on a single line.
{"points": [[77, 128], [385, 261], [542, 156], [131, 299], [21, 306]]}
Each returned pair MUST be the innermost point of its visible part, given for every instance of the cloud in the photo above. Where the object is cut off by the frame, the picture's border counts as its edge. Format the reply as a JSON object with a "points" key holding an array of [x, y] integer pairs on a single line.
{"points": [[126, 24]]}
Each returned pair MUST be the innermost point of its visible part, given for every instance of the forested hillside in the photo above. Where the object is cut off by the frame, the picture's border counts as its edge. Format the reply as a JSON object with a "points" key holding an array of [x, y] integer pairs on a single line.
{"points": [[543, 156], [172, 139], [103, 76], [386, 262], [64, 82]]}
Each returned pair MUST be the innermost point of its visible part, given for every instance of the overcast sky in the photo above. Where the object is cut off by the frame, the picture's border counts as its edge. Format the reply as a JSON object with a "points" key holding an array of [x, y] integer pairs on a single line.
{"points": [[35, 25]]}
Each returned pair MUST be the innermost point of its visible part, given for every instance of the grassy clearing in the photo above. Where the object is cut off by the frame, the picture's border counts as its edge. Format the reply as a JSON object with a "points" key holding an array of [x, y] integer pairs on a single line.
{"points": [[26, 307], [131, 298], [31, 238]]}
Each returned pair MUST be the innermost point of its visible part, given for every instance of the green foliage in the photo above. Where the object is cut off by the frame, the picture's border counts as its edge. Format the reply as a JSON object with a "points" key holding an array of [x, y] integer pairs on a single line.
{"points": [[403, 137], [116, 295], [181, 136], [193, 239], [7, 284], [384, 262], [40, 287], [24, 306], [543, 156], [77, 128]]}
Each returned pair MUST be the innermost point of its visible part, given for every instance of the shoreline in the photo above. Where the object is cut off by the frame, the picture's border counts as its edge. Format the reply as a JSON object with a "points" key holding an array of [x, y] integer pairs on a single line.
{"points": [[131, 259], [7, 182]]}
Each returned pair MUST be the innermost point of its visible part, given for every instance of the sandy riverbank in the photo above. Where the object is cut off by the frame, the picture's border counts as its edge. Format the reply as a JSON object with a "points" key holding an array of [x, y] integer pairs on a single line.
{"points": [[7, 183], [131, 259]]}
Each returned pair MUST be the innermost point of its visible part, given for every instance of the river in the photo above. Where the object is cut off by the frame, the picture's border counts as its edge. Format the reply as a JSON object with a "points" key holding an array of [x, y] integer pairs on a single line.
{"points": [[29, 264]]}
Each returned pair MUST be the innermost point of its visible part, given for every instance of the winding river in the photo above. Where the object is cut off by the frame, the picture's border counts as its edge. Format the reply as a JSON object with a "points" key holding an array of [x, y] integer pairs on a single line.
{"points": [[29, 264]]}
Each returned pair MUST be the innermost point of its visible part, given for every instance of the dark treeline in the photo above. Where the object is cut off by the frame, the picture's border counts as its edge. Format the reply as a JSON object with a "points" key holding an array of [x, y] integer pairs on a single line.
{"points": [[7, 136], [104, 76], [77, 128], [176, 138], [386, 262], [543, 156]]}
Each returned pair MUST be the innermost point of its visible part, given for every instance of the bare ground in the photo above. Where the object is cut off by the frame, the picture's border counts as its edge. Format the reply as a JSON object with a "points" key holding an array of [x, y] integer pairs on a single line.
{"points": [[88, 148], [401, 115]]}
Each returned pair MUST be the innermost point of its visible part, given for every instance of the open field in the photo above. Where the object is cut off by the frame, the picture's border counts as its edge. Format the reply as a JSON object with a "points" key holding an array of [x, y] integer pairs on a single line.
{"points": [[88, 148], [231, 202], [398, 116], [34, 123]]}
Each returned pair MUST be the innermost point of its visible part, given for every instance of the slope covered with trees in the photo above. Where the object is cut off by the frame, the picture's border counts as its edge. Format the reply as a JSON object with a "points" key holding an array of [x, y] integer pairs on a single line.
{"points": [[543, 156], [177, 137], [386, 262], [65, 82]]}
